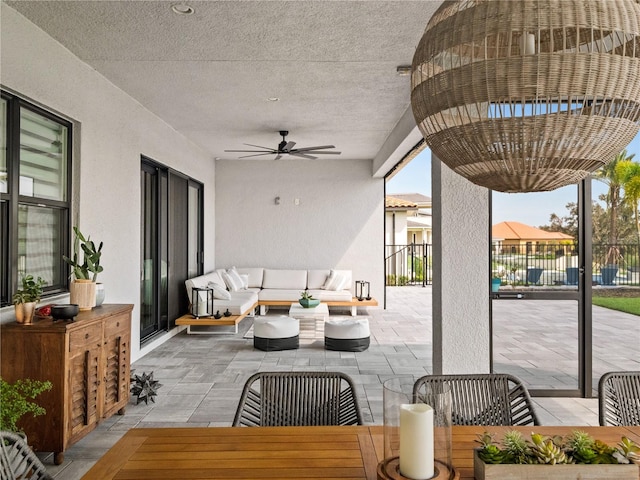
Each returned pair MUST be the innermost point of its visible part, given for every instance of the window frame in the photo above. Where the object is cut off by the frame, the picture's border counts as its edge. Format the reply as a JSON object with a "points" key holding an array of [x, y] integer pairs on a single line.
{"points": [[12, 200]]}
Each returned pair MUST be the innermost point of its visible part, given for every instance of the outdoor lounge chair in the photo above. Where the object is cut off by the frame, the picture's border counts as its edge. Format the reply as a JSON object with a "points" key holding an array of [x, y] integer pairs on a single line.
{"points": [[298, 399], [483, 399], [17, 460], [619, 399]]}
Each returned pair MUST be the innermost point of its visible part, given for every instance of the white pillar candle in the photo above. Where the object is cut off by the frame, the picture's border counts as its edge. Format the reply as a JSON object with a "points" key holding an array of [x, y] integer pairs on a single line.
{"points": [[416, 441]]}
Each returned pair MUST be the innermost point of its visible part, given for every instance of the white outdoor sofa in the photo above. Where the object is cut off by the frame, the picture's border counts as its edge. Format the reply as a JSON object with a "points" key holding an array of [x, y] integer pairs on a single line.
{"points": [[264, 287]]}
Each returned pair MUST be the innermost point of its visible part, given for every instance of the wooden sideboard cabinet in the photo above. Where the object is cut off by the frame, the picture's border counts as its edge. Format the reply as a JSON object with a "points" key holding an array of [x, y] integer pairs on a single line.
{"points": [[88, 363]]}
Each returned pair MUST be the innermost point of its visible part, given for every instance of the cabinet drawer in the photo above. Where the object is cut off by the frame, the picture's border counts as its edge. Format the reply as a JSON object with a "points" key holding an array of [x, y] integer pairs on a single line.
{"points": [[115, 326], [91, 336]]}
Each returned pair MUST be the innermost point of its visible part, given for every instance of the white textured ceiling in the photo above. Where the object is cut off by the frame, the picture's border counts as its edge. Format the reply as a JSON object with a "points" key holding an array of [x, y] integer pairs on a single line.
{"points": [[332, 64]]}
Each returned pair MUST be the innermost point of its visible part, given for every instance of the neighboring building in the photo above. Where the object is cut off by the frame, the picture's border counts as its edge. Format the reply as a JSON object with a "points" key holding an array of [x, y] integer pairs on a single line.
{"points": [[408, 219], [512, 237]]}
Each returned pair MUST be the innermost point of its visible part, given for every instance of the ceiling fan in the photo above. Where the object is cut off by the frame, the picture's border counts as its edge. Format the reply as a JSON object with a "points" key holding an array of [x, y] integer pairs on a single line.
{"points": [[286, 148]]}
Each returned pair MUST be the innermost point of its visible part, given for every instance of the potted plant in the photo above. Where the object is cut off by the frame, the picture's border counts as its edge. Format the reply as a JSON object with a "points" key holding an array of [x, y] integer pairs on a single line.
{"points": [[307, 300], [548, 458], [496, 281], [26, 298], [17, 400], [85, 266]]}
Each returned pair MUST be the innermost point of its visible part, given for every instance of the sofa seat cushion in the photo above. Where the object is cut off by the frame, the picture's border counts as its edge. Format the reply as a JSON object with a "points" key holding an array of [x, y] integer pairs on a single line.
{"points": [[240, 302], [332, 295], [280, 295], [285, 279]]}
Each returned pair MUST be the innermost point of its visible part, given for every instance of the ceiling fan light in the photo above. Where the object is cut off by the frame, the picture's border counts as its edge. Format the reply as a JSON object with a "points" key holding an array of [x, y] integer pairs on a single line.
{"points": [[528, 95]]}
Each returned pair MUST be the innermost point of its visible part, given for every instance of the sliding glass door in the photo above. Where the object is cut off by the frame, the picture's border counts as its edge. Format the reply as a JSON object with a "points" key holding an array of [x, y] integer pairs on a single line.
{"points": [[171, 245]]}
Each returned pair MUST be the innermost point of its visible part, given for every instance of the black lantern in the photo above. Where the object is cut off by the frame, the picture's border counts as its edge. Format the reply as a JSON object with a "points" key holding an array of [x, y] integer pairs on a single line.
{"points": [[201, 296], [362, 290]]}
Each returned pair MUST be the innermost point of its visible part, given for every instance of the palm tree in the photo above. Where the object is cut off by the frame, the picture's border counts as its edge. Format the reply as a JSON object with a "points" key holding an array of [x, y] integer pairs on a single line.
{"points": [[629, 173], [611, 177]]}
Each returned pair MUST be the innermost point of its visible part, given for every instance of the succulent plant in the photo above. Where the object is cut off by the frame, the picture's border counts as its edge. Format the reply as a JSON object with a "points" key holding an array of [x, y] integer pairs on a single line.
{"points": [[546, 451], [579, 447], [489, 452], [516, 446], [629, 449]]}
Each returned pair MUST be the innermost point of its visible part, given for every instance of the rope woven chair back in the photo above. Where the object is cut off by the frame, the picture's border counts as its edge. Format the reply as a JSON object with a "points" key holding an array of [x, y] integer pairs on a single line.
{"points": [[17, 460], [483, 399], [619, 399], [271, 399]]}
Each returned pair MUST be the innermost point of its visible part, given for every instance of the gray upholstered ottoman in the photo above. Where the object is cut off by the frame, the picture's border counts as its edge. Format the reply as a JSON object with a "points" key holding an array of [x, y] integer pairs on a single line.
{"points": [[348, 335], [276, 333]]}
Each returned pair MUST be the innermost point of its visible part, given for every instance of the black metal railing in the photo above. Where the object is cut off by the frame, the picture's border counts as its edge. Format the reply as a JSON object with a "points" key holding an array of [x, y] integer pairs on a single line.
{"points": [[408, 264], [557, 264], [529, 264]]}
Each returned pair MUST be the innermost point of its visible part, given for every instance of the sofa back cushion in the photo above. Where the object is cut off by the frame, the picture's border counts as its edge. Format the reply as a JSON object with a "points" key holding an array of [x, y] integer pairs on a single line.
{"points": [[316, 278], [255, 276], [203, 281], [287, 279]]}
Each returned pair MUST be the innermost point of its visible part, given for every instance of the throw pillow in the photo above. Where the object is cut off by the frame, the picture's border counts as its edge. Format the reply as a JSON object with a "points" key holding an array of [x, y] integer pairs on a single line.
{"points": [[335, 281], [219, 292], [245, 281], [232, 284], [237, 279]]}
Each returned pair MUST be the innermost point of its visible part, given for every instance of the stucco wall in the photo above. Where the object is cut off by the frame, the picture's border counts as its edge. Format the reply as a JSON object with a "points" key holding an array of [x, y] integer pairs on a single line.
{"points": [[338, 222], [111, 131], [461, 336]]}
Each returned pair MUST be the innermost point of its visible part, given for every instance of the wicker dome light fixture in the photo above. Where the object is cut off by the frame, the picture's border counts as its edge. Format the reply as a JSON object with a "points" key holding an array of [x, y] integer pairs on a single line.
{"points": [[528, 95]]}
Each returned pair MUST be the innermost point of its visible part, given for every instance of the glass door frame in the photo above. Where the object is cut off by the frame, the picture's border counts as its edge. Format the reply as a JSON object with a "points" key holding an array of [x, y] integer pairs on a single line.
{"points": [[582, 295]]}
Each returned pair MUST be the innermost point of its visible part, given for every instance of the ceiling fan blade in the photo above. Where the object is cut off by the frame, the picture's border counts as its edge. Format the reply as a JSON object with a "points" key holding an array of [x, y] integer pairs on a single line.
{"points": [[288, 146], [315, 148], [248, 151], [303, 155], [257, 155], [278, 157], [258, 146], [318, 153]]}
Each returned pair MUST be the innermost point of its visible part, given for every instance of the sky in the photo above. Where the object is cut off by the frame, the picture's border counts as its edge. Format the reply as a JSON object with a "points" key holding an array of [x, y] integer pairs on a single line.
{"points": [[530, 208]]}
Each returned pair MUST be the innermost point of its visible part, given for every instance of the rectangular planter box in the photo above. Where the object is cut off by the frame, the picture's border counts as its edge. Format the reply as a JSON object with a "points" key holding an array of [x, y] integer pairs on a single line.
{"points": [[485, 471]]}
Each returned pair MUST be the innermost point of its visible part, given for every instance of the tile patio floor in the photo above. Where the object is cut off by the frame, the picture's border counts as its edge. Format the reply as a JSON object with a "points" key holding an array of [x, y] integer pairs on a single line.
{"points": [[202, 375]]}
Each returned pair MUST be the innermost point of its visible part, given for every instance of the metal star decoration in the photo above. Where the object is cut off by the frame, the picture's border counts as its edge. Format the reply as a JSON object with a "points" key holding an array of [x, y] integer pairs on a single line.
{"points": [[145, 387]]}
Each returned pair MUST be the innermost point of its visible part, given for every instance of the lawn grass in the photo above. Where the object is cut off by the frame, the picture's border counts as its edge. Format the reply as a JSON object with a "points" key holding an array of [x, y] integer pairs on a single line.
{"points": [[622, 304]]}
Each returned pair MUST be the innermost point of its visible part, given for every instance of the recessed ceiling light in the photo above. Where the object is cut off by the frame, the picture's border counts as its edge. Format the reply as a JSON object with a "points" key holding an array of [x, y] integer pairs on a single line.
{"points": [[403, 70], [273, 99], [182, 9]]}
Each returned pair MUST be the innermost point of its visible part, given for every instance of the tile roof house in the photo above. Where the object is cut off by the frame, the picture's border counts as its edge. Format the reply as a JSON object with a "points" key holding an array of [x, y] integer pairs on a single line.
{"points": [[516, 234]]}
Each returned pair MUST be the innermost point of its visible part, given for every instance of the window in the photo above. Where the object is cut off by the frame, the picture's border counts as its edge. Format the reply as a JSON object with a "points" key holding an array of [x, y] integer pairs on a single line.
{"points": [[35, 162]]}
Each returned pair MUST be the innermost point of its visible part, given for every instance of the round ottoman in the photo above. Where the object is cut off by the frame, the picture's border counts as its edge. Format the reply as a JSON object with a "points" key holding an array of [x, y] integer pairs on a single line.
{"points": [[276, 333], [347, 335]]}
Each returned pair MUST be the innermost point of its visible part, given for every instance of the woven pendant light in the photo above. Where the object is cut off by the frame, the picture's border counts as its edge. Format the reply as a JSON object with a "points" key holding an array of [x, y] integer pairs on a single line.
{"points": [[528, 95]]}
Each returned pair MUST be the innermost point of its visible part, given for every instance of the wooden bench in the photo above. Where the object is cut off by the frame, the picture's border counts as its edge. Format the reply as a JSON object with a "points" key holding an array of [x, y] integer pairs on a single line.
{"points": [[233, 320]]}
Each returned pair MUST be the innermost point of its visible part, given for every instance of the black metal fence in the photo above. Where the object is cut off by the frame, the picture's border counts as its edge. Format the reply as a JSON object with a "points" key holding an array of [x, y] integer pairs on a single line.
{"points": [[557, 264], [530, 264], [408, 264]]}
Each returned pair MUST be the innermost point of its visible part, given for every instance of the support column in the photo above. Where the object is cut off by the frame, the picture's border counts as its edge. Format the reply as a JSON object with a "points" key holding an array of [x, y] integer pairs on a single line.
{"points": [[461, 334]]}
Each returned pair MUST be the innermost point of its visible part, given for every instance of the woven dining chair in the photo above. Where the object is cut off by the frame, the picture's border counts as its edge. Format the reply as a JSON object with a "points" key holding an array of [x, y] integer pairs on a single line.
{"points": [[298, 399], [619, 399], [17, 460], [483, 399]]}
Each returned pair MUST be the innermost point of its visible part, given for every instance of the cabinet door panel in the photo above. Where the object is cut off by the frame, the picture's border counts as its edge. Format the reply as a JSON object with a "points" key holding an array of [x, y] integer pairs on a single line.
{"points": [[116, 380], [84, 386]]}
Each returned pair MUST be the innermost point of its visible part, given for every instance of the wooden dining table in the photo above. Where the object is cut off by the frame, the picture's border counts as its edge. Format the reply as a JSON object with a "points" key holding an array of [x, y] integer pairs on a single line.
{"points": [[334, 453]]}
